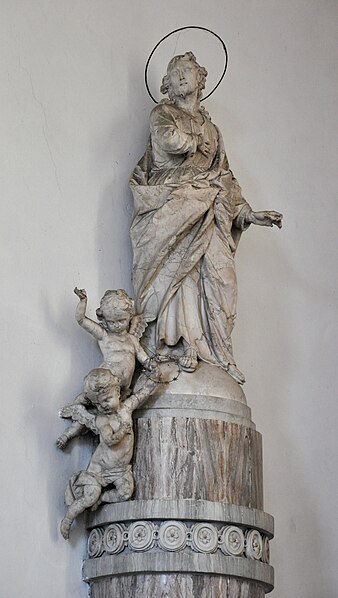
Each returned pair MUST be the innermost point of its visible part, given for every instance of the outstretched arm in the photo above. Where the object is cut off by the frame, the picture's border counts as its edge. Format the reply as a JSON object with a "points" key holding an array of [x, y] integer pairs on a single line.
{"points": [[266, 218], [79, 413], [141, 355], [80, 315], [135, 401]]}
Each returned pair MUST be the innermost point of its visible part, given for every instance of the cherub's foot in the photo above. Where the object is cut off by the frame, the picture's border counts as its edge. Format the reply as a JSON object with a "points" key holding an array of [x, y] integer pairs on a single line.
{"points": [[188, 361], [96, 505], [62, 441], [65, 527], [236, 374]]}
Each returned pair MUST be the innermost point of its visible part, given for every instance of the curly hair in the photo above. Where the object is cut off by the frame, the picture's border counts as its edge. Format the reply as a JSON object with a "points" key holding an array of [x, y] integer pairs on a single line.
{"points": [[115, 301], [202, 73], [100, 379]]}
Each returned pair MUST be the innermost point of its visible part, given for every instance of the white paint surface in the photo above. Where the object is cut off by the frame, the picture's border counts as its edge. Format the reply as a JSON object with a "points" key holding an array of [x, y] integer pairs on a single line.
{"points": [[74, 117]]}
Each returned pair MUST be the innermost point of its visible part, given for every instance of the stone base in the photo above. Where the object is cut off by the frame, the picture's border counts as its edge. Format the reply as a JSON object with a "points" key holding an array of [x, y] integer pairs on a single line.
{"points": [[196, 526], [175, 586]]}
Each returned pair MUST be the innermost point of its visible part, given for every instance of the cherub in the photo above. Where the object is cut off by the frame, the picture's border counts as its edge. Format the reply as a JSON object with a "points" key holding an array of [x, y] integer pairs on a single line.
{"points": [[118, 335], [108, 477]]}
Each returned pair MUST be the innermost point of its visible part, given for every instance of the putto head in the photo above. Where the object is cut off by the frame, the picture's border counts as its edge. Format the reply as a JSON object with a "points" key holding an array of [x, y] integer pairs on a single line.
{"points": [[115, 306], [179, 62], [102, 388]]}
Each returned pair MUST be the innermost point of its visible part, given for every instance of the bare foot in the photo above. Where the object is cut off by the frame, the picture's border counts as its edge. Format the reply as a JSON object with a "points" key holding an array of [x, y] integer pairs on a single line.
{"points": [[188, 361], [65, 527], [96, 505], [62, 441], [236, 374]]}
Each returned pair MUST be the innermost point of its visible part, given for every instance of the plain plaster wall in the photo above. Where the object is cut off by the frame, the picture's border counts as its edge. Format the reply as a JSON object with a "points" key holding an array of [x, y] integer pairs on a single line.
{"points": [[74, 114]]}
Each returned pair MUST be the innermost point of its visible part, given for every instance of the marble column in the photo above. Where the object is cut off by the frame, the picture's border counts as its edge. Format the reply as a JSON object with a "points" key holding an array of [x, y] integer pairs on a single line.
{"points": [[196, 526]]}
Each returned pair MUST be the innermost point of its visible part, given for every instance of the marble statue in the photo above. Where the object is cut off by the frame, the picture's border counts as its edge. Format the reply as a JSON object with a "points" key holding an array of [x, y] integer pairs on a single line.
{"points": [[105, 406], [108, 477], [189, 213], [118, 335]]}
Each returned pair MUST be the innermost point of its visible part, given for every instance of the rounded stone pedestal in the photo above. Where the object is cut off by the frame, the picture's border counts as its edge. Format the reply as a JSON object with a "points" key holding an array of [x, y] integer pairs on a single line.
{"points": [[195, 527]]}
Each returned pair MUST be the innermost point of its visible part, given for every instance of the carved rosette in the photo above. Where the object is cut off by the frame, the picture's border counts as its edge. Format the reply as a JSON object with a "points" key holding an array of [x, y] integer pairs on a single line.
{"points": [[254, 545], [95, 543], [204, 538], [141, 536], [266, 550], [232, 541], [172, 536], [113, 539]]}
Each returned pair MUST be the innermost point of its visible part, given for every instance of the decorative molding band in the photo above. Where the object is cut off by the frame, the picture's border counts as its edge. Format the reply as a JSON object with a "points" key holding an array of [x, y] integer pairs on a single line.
{"points": [[175, 536], [184, 561], [183, 509]]}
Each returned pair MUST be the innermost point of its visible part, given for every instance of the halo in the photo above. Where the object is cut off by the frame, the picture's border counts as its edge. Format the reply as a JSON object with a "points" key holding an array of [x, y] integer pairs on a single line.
{"points": [[176, 31]]}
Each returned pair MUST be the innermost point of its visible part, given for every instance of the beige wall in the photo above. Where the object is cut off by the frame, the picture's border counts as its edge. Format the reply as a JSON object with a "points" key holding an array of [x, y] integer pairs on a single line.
{"points": [[73, 123]]}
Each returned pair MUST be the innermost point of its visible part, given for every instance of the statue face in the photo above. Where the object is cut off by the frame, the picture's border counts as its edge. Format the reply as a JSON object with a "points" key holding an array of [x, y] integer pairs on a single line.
{"points": [[183, 78], [106, 401], [118, 323]]}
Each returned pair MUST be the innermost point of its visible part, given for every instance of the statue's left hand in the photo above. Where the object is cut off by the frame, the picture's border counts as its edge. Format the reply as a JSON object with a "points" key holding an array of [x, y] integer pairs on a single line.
{"points": [[267, 218]]}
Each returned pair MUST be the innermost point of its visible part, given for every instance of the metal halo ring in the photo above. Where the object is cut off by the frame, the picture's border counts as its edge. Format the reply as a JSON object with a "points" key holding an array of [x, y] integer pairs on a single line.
{"points": [[176, 31]]}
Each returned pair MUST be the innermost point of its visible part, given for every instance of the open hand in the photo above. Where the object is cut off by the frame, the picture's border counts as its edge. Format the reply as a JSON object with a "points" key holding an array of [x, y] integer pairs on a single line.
{"points": [[266, 218]]}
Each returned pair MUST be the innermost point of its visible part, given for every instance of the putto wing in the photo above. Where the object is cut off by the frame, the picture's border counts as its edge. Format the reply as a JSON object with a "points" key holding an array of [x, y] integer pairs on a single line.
{"points": [[138, 325]]}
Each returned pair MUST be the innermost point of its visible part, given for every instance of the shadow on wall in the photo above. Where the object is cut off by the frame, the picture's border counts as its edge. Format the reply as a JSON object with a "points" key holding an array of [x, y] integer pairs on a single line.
{"points": [[83, 355], [121, 149]]}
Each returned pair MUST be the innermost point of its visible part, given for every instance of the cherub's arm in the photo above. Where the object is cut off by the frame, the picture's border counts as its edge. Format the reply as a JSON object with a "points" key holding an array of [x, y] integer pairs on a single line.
{"points": [[141, 355], [135, 401], [110, 437], [79, 413], [80, 315]]}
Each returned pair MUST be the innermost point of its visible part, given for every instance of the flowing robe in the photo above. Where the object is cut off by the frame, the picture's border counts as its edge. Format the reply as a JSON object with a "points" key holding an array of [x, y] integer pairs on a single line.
{"points": [[188, 217]]}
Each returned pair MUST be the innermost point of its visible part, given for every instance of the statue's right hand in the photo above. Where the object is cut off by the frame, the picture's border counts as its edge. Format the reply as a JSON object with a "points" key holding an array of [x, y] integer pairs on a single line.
{"points": [[81, 293]]}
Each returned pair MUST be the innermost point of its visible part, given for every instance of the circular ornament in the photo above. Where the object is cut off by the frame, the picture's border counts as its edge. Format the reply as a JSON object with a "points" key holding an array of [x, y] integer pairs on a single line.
{"points": [[178, 31], [113, 541], [95, 544], [266, 550], [232, 541], [172, 536], [141, 535], [204, 538], [254, 545]]}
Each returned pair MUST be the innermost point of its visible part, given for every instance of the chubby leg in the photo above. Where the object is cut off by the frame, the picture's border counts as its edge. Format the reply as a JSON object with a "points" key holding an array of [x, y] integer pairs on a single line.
{"points": [[90, 495], [124, 488]]}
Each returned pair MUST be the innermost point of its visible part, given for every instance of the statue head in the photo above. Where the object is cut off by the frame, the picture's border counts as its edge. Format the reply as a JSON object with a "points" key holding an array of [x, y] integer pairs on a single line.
{"points": [[184, 76], [103, 389], [116, 310]]}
